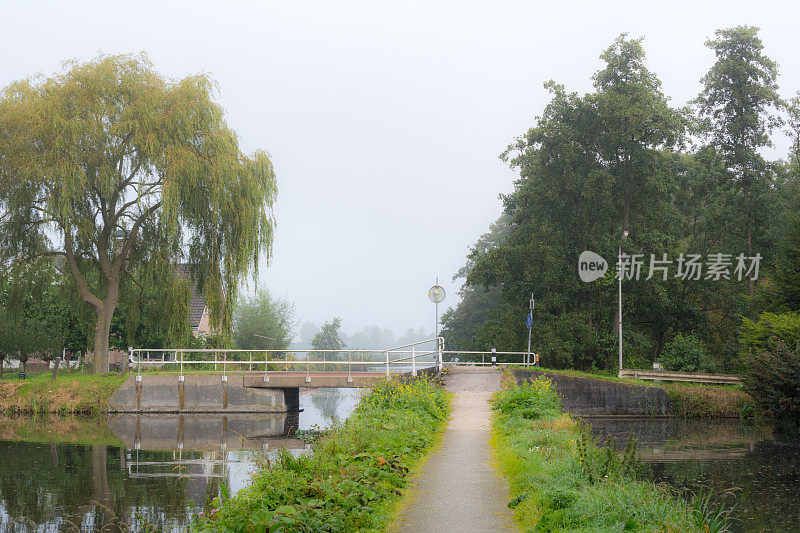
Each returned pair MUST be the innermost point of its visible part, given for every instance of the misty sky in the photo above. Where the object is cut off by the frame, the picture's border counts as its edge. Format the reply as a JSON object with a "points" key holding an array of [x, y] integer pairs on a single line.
{"points": [[384, 120]]}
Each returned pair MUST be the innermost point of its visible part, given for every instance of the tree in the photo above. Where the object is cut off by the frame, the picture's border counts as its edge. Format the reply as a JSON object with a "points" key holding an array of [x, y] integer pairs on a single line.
{"points": [[263, 322], [738, 105], [329, 338], [787, 272], [591, 167], [125, 173]]}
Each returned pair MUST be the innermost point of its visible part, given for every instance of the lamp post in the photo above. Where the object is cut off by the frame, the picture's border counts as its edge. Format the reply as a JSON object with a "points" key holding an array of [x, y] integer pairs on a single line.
{"points": [[619, 307]]}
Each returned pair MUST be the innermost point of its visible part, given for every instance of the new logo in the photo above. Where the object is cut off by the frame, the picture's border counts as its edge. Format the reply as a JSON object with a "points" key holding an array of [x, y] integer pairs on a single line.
{"points": [[591, 266]]}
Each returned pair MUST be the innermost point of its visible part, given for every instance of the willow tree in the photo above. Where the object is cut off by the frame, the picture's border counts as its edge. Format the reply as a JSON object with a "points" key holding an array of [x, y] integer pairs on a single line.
{"points": [[126, 173]]}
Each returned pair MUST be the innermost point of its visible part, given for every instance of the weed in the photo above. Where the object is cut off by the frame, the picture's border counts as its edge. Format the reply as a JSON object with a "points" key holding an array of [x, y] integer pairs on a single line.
{"points": [[561, 480], [355, 474]]}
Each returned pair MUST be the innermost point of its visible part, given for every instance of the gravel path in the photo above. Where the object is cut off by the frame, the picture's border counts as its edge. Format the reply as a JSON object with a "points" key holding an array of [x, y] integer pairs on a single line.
{"points": [[458, 489]]}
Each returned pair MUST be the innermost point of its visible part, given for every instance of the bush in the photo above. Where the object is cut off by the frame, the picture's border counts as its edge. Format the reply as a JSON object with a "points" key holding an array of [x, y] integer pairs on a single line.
{"points": [[773, 380], [686, 353], [770, 330]]}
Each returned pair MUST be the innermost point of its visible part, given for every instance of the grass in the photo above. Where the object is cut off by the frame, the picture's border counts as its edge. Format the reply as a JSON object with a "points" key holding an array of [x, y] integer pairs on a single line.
{"points": [[561, 481], [356, 474], [688, 400], [68, 394]]}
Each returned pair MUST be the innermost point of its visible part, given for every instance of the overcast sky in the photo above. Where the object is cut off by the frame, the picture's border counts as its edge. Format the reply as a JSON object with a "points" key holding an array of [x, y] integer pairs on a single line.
{"points": [[384, 120]]}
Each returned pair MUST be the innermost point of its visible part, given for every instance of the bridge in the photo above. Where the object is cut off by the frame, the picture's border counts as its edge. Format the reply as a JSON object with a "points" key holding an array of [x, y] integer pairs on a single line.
{"points": [[234, 380]]}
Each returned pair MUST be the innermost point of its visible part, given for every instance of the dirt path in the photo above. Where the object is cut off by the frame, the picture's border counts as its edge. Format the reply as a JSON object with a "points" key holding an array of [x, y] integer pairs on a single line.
{"points": [[458, 488]]}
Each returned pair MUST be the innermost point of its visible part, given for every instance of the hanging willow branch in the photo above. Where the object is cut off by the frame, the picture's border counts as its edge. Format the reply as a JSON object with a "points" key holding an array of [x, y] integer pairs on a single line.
{"points": [[124, 172]]}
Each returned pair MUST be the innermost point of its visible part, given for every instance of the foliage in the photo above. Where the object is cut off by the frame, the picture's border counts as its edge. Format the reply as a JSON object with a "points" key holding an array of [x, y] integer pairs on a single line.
{"points": [[769, 331], [263, 316], [329, 338], [561, 481], [355, 474], [773, 380], [686, 353], [126, 174], [787, 268], [617, 158], [36, 318]]}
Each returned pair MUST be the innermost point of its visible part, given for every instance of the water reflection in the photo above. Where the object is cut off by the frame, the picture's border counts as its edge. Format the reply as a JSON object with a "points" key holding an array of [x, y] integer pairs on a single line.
{"points": [[139, 471], [742, 463]]}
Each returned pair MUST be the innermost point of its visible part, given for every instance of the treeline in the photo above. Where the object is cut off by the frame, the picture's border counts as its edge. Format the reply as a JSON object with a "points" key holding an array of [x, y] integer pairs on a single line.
{"points": [[684, 184]]}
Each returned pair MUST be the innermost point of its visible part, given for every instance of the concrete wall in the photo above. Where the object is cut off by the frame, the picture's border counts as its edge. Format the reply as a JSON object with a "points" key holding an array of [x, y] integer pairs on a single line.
{"points": [[599, 397], [199, 394]]}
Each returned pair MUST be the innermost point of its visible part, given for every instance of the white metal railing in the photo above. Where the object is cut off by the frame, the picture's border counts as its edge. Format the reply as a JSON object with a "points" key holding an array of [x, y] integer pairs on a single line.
{"points": [[409, 357], [453, 357]]}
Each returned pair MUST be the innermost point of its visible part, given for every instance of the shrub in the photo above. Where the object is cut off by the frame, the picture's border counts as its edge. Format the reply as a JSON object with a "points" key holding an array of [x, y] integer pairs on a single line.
{"points": [[770, 330], [686, 353], [773, 380]]}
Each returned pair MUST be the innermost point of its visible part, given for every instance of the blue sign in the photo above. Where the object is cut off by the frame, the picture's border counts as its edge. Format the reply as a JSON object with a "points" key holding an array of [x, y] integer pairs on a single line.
{"points": [[529, 320]]}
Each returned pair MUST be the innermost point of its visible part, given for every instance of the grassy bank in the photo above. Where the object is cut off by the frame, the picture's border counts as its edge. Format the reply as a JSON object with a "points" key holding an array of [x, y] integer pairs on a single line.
{"points": [[68, 394], [561, 481], [354, 477], [688, 400]]}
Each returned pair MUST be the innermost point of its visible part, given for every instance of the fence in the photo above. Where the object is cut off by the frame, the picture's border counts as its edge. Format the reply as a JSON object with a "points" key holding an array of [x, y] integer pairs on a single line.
{"points": [[493, 357], [406, 358]]}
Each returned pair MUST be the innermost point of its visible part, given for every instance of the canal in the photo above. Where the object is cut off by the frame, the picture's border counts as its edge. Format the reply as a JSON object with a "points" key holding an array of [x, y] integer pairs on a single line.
{"points": [[139, 473], [744, 465]]}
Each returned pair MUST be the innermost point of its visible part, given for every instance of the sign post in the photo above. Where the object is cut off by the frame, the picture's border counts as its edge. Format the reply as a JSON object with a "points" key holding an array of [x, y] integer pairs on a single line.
{"points": [[529, 323], [436, 294]]}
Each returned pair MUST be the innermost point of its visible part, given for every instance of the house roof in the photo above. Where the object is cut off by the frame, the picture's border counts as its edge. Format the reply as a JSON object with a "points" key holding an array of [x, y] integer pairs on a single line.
{"points": [[197, 303]]}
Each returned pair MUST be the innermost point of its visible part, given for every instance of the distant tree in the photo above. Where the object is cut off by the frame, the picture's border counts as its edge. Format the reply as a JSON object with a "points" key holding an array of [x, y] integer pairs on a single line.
{"points": [[787, 268], [260, 317], [125, 173], [739, 105], [329, 338]]}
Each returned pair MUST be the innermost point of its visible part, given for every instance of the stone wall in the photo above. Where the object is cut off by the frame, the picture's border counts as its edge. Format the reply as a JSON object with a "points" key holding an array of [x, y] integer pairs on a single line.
{"points": [[600, 397], [199, 394]]}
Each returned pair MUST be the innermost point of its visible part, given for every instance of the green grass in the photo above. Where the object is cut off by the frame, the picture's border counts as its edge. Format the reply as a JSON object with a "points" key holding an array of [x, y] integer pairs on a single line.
{"points": [[356, 474], [561, 481], [68, 394]]}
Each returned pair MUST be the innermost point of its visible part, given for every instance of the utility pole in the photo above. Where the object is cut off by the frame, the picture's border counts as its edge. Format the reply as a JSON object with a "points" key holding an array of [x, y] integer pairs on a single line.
{"points": [[530, 328], [620, 272]]}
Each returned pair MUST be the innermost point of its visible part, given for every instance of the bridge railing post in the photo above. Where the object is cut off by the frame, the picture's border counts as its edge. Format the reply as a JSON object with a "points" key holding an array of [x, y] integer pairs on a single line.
{"points": [[387, 365], [413, 360]]}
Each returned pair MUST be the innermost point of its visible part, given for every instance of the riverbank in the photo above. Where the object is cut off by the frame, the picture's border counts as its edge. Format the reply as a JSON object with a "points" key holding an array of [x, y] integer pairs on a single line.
{"points": [[355, 475], [560, 480], [68, 394], [679, 400]]}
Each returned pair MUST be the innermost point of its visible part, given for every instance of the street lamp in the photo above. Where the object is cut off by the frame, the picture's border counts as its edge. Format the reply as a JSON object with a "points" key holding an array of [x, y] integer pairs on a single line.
{"points": [[619, 308]]}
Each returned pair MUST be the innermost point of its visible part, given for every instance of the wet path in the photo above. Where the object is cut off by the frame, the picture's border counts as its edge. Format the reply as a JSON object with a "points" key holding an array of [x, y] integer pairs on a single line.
{"points": [[459, 489]]}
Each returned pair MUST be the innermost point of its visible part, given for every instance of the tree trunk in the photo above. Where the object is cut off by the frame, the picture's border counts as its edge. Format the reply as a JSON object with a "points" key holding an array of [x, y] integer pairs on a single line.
{"points": [[56, 364], [1, 368], [102, 330]]}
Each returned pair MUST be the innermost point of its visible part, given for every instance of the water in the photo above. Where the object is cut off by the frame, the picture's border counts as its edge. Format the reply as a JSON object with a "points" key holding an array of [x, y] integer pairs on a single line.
{"points": [[130, 472], [745, 465]]}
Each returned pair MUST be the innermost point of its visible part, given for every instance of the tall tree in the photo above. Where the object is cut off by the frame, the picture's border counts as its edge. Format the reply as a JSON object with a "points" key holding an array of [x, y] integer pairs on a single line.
{"points": [[739, 105], [263, 322], [329, 338], [125, 173], [591, 167]]}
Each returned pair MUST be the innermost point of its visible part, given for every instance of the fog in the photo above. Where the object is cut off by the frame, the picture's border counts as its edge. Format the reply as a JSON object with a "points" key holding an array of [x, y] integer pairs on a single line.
{"points": [[384, 120]]}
